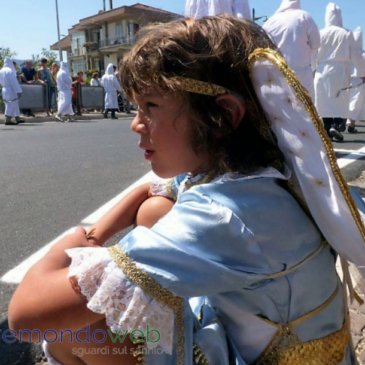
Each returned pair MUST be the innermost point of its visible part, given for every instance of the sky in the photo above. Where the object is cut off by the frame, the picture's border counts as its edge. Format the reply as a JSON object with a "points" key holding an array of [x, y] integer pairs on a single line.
{"points": [[28, 26]]}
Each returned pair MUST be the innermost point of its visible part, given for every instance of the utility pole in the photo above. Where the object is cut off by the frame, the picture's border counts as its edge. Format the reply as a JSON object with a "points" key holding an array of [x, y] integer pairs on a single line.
{"points": [[111, 4], [104, 8], [58, 33]]}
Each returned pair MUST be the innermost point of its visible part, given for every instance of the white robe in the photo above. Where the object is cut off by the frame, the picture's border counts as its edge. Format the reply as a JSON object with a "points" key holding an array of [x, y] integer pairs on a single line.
{"points": [[111, 86], [357, 95], [297, 36], [64, 84], [337, 51], [10, 88], [199, 8]]}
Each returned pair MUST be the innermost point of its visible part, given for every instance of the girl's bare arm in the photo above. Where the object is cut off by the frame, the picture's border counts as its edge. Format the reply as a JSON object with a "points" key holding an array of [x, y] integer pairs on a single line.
{"points": [[121, 216], [47, 298]]}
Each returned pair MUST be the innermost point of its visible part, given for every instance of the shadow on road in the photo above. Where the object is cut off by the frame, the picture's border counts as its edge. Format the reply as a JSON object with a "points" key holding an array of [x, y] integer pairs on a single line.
{"points": [[19, 353]]}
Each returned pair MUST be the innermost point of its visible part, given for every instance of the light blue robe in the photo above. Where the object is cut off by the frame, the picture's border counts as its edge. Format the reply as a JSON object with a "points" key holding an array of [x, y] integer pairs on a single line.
{"points": [[218, 243]]}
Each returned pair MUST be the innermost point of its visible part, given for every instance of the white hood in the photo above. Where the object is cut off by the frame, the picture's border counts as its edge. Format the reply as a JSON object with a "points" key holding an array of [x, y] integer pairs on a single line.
{"points": [[8, 62], [64, 67], [288, 5], [110, 69], [333, 15], [358, 37]]}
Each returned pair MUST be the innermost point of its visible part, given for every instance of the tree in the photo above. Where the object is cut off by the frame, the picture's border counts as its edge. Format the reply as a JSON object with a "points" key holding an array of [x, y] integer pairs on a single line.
{"points": [[50, 55], [5, 52]]}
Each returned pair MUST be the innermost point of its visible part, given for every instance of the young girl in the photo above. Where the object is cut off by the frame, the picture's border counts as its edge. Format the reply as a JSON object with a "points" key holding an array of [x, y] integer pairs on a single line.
{"points": [[228, 262]]}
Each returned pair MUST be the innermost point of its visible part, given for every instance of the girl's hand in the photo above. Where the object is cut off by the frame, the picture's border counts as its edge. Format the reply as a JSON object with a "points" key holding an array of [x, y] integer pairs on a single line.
{"points": [[76, 239]]}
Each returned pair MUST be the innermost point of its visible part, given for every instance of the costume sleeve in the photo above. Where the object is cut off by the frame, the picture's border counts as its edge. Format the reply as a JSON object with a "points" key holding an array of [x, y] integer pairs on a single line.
{"points": [[14, 83], [314, 38], [116, 84], [199, 241], [146, 277], [356, 56], [241, 9], [190, 8]]}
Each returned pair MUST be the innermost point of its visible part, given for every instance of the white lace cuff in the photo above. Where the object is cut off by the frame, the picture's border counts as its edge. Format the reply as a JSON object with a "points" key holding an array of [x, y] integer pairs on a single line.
{"points": [[160, 187], [126, 306]]}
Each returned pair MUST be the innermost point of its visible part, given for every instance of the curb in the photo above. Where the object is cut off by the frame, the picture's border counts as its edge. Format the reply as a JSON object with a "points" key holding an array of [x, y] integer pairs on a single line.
{"points": [[43, 119]]}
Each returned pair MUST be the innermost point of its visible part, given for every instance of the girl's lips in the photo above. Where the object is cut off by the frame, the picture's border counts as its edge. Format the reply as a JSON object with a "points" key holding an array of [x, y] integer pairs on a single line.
{"points": [[148, 154]]}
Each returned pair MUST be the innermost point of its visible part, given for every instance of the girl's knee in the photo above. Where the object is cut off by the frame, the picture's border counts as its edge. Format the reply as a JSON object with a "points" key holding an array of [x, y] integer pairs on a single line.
{"points": [[152, 210]]}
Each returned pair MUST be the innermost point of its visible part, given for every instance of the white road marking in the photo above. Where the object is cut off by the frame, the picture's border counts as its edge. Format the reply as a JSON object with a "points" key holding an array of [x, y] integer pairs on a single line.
{"points": [[351, 157], [15, 275], [94, 217]]}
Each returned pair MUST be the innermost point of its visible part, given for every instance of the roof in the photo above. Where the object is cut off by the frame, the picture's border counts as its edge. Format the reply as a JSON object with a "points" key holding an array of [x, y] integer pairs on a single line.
{"points": [[65, 44], [137, 11]]}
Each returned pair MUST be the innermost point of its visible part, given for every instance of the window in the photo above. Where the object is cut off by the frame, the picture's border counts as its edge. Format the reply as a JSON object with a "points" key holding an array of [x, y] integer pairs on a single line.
{"points": [[78, 66], [77, 42], [118, 31]]}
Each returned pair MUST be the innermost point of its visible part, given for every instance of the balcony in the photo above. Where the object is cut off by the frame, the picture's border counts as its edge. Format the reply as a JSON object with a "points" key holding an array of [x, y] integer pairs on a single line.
{"points": [[77, 52], [91, 46], [117, 42]]}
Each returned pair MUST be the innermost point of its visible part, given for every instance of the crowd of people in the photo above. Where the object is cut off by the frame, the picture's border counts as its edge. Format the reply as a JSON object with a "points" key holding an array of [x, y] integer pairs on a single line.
{"points": [[58, 84]]}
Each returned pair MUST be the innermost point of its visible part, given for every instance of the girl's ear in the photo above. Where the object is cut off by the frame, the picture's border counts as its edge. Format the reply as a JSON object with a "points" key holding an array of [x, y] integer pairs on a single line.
{"points": [[234, 107]]}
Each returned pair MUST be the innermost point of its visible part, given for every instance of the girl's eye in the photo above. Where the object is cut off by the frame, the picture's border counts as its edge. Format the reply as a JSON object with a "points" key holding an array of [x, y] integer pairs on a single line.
{"points": [[151, 105]]}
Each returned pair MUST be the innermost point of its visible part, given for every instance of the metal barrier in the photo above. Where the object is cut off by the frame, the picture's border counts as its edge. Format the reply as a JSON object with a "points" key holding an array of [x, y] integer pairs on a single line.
{"points": [[36, 98], [91, 97], [33, 97]]}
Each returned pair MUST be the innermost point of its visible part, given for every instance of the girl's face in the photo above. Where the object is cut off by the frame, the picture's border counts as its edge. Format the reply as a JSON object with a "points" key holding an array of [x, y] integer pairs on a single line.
{"points": [[165, 135]]}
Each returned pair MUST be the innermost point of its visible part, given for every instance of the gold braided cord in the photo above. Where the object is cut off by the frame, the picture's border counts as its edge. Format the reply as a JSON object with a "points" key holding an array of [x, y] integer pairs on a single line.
{"points": [[199, 357], [169, 190], [153, 289], [305, 98], [329, 350], [140, 353], [199, 87]]}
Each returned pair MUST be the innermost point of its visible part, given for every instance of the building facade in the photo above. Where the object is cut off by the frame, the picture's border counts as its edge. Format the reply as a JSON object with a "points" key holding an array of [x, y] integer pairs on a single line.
{"points": [[104, 38]]}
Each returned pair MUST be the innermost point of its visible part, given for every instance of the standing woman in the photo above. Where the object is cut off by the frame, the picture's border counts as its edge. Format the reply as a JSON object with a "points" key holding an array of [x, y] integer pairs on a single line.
{"points": [[64, 83], [111, 86], [11, 91], [95, 80]]}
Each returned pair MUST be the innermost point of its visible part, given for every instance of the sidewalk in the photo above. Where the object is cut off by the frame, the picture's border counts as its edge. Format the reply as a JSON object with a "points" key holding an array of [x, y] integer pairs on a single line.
{"points": [[41, 117], [357, 312]]}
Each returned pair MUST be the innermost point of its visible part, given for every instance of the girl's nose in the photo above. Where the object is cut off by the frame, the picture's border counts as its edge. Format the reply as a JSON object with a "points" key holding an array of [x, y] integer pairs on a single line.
{"points": [[137, 125]]}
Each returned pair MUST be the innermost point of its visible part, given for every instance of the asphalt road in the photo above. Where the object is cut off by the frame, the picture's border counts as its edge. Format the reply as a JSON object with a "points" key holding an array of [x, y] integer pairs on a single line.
{"points": [[352, 142], [53, 175]]}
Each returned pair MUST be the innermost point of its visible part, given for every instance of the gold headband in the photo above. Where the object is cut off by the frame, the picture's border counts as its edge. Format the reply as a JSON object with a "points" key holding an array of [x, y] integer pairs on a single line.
{"points": [[199, 87]]}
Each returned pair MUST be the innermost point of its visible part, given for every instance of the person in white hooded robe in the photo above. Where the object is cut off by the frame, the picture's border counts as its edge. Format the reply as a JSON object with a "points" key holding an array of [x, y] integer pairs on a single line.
{"points": [[297, 36], [198, 8], [111, 86], [357, 95], [333, 73], [64, 82], [11, 92]]}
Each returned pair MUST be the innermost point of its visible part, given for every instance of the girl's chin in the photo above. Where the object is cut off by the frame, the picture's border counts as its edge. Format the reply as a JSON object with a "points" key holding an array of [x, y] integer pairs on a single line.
{"points": [[165, 173]]}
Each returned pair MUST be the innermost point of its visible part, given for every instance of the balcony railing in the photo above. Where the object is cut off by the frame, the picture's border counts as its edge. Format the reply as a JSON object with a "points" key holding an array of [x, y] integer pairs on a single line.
{"points": [[91, 46], [77, 52], [123, 41]]}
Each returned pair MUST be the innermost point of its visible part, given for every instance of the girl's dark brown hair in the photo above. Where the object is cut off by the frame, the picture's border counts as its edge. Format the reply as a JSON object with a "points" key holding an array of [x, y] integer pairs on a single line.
{"points": [[214, 50]]}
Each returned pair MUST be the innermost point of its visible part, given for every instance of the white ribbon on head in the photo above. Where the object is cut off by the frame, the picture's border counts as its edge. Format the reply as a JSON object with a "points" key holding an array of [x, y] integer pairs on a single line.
{"points": [[309, 155]]}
